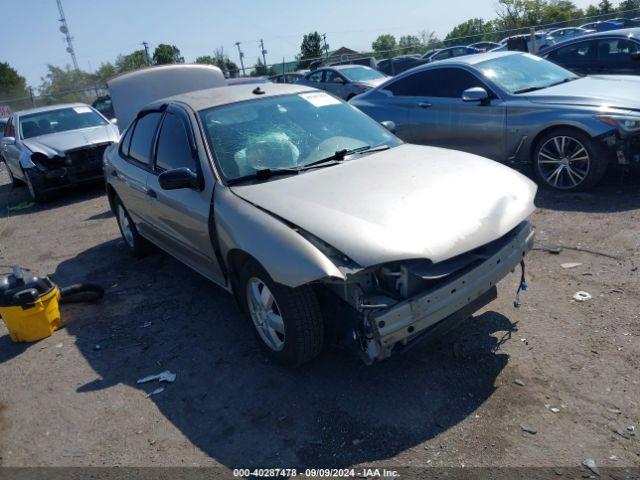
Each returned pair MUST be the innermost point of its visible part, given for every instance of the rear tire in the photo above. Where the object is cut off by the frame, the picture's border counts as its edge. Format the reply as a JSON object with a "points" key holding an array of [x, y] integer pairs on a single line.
{"points": [[569, 159], [287, 321], [135, 243]]}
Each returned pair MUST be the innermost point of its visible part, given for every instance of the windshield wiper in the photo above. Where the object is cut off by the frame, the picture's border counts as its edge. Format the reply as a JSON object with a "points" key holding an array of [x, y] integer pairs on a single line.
{"points": [[531, 89], [264, 174], [340, 155]]}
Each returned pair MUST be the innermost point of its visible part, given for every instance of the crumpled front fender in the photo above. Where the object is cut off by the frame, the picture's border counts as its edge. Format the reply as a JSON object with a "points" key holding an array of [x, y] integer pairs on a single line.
{"points": [[289, 258]]}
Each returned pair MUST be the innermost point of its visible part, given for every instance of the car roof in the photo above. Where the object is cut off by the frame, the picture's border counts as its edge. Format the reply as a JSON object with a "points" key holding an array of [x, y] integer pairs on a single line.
{"points": [[623, 32], [470, 59], [49, 108], [343, 67], [214, 97]]}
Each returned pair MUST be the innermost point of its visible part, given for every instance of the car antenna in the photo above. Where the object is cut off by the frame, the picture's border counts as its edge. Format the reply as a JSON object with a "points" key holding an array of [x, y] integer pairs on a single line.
{"points": [[258, 91]]}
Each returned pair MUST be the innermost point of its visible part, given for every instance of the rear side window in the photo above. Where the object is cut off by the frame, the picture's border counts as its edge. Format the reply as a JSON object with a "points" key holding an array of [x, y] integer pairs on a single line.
{"points": [[441, 82], [316, 76], [617, 50], [143, 135], [580, 52], [174, 149]]}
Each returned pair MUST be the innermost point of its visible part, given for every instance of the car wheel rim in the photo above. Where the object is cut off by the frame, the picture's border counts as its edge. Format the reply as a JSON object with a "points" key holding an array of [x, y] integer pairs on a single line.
{"points": [[125, 226], [265, 314], [563, 162]]}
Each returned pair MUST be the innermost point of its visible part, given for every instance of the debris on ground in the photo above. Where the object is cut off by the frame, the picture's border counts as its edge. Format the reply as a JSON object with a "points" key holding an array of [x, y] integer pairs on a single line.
{"points": [[590, 463], [581, 296], [517, 381], [165, 376], [620, 432], [554, 409], [526, 428], [617, 411], [20, 206], [570, 265], [155, 392]]}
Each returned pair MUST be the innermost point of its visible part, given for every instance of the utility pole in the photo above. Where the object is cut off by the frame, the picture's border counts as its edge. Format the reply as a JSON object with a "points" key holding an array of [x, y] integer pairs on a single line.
{"points": [[241, 58], [146, 52], [264, 53], [325, 47], [64, 28]]}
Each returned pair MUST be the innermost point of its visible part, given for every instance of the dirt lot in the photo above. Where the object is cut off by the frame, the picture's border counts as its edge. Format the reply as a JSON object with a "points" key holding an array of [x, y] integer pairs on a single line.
{"points": [[63, 401]]}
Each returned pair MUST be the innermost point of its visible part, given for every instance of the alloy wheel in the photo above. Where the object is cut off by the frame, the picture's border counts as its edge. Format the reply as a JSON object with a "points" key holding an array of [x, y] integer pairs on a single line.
{"points": [[563, 162], [265, 314], [125, 226]]}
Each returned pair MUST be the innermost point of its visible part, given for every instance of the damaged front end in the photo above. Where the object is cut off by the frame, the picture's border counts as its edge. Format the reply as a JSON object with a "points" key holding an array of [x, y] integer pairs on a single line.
{"points": [[624, 141], [51, 171], [387, 308]]}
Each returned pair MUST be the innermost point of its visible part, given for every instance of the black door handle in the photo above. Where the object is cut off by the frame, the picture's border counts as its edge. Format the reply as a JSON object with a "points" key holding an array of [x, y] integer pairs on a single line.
{"points": [[425, 105], [152, 193]]}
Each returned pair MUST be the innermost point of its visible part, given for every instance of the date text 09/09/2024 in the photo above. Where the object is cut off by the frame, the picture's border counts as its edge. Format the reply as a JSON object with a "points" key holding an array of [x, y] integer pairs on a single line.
{"points": [[316, 472]]}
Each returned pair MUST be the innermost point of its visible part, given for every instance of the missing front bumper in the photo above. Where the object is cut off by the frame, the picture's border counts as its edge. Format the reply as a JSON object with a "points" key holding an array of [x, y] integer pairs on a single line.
{"points": [[395, 327]]}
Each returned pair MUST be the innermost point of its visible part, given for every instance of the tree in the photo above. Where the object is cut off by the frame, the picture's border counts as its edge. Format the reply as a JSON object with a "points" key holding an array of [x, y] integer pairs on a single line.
{"points": [[133, 61], [260, 69], [165, 54], [605, 7], [471, 31], [629, 8], [310, 48], [221, 60], [105, 72], [429, 40], [592, 11], [61, 85], [410, 44], [384, 45], [12, 85]]}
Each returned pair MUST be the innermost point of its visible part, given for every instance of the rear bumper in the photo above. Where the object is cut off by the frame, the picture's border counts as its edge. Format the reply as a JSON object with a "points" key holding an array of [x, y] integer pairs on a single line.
{"points": [[396, 326]]}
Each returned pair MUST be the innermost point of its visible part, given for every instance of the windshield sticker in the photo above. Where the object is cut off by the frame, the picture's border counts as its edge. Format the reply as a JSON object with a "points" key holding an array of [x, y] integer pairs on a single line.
{"points": [[81, 109], [319, 99]]}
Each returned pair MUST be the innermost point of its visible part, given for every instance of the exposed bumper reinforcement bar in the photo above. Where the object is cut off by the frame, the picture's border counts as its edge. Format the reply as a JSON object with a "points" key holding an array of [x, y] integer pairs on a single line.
{"points": [[403, 322]]}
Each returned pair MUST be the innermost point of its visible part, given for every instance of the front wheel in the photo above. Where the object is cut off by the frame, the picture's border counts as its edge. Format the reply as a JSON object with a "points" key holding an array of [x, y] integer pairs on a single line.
{"points": [[570, 160], [287, 321]]}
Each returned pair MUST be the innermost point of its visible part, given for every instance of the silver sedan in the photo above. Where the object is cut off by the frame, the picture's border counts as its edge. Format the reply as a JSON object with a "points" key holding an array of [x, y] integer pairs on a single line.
{"points": [[53, 147], [321, 222], [516, 107]]}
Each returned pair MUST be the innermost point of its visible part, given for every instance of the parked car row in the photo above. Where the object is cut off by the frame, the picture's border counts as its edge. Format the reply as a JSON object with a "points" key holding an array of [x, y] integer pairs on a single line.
{"points": [[313, 212]]}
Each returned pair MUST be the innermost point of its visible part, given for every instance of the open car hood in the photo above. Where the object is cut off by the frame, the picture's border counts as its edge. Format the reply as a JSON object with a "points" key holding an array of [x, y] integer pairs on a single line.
{"points": [[406, 202]]}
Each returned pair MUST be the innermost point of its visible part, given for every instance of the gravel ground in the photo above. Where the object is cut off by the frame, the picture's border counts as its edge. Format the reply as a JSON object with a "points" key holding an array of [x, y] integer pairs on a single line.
{"points": [[66, 402]]}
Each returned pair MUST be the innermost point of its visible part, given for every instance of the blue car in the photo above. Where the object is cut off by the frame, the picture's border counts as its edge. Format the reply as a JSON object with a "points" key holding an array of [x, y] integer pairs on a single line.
{"points": [[451, 52], [602, 26]]}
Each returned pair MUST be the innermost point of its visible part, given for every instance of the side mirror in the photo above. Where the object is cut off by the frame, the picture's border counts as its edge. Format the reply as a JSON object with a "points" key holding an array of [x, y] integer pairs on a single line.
{"points": [[389, 125], [635, 56], [178, 178], [8, 140], [475, 94]]}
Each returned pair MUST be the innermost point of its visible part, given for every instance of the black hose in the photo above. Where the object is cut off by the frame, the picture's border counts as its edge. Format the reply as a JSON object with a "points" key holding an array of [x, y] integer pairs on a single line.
{"points": [[81, 292]]}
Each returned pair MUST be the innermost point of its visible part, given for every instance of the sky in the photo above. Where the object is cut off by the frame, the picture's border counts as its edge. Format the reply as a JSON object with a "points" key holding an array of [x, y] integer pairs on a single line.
{"points": [[105, 28]]}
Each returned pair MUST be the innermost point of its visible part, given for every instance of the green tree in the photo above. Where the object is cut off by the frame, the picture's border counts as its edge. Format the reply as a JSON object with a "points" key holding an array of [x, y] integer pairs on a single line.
{"points": [[592, 11], [105, 72], [310, 48], [429, 40], [410, 44], [62, 85], [165, 54], [12, 85], [631, 8], [471, 31], [260, 69], [605, 7], [132, 61], [384, 45], [221, 60]]}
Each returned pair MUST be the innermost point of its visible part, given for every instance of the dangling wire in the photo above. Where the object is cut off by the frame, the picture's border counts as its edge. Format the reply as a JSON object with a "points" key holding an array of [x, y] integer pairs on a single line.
{"points": [[522, 287]]}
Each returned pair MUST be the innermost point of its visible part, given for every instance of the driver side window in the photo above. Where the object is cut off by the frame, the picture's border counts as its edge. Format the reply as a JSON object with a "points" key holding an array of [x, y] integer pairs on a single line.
{"points": [[316, 76], [437, 82], [174, 148]]}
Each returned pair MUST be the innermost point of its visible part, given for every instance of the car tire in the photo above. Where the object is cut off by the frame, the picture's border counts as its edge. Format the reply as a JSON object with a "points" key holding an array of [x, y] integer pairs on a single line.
{"points": [[35, 190], [14, 181], [287, 321], [568, 159], [135, 243]]}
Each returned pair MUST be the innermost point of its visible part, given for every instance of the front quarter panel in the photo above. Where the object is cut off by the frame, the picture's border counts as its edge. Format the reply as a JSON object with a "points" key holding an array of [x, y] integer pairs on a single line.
{"points": [[284, 253]]}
